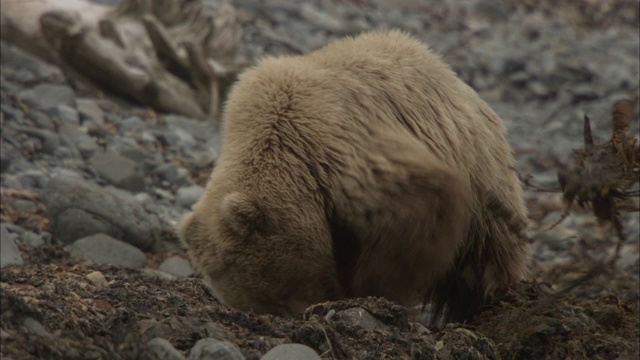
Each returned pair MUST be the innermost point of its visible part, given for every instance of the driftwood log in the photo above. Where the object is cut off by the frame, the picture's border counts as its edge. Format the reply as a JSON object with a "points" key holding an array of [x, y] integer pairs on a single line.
{"points": [[170, 54]]}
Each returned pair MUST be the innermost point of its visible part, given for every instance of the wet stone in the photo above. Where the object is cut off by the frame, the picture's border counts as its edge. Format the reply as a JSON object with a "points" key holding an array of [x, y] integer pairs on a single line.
{"points": [[85, 144], [103, 249], [9, 252], [360, 317], [163, 349], [189, 195], [89, 110], [291, 352], [118, 170], [77, 208], [214, 349], [68, 115], [47, 97], [177, 265]]}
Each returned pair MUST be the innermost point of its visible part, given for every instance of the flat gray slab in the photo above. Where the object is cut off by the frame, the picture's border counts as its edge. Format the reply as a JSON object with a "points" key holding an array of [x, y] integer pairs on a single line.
{"points": [[77, 209], [103, 249], [9, 252]]}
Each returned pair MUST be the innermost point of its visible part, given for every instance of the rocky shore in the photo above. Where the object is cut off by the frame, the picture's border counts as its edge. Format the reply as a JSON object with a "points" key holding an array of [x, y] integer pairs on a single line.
{"points": [[92, 187]]}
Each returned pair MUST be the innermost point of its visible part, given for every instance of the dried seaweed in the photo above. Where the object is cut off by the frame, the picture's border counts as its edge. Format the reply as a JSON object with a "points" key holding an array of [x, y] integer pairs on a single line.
{"points": [[603, 176]]}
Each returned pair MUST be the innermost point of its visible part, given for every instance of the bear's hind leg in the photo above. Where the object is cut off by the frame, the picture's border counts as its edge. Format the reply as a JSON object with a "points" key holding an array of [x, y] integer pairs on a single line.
{"points": [[411, 213]]}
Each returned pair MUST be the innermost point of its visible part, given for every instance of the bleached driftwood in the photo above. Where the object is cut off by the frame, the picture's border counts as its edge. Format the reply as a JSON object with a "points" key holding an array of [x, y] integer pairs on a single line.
{"points": [[169, 54]]}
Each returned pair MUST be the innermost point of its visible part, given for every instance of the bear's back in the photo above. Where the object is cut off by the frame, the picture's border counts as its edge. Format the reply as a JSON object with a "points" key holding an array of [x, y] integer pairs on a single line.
{"points": [[354, 88], [391, 81]]}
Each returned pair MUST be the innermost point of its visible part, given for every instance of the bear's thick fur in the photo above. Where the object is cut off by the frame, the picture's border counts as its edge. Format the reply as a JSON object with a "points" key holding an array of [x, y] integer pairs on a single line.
{"points": [[364, 168]]}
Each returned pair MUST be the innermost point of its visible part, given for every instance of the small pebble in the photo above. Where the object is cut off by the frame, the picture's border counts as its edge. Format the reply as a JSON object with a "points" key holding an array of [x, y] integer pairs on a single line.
{"points": [[360, 317], [89, 110], [188, 195], [97, 279], [214, 349], [291, 352], [35, 327], [177, 265], [32, 239], [163, 349]]}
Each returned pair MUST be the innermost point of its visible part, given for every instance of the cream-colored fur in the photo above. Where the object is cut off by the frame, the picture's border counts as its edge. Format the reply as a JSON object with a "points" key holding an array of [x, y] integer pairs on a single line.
{"points": [[364, 168]]}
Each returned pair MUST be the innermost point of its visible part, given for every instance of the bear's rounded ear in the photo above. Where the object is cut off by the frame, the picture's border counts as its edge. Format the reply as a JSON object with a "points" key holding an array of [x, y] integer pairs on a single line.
{"points": [[242, 213]]}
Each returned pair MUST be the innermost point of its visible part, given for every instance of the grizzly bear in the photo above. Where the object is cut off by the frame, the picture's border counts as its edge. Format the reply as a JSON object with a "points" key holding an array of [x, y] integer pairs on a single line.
{"points": [[366, 168]]}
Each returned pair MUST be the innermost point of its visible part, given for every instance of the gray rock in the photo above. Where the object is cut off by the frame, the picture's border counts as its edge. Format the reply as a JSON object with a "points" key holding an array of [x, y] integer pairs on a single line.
{"points": [[519, 78], [127, 147], [103, 249], [538, 89], [10, 181], [199, 130], [50, 140], [174, 138], [132, 123], [360, 317], [85, 144], [211, 329], [35, 327], [492, 11], [89, 110], [68, 153], [97, 279], [31, 238], [16, 58], [165, 210], [163, 194], [61, 172], [172, 173], [11, 113], [28, 237], [118, 170], [291, 352], [163, 349], [14, 229], [157, 274], [4, 335], [177, 265], [147, 137], [154, 159], [167, 327], [77, 208], [584, 92], [42, 120], [185, 138], [9, 252], [46, 237], [47, 97], [23, 204], [31, 179], [214, 349], [7, 154], [545, 65], [68, 115], [188, 195], [320, 18]]}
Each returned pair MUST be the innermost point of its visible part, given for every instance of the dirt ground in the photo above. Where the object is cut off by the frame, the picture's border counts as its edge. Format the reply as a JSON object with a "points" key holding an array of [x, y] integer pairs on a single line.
{"points": [[57, 308]]}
